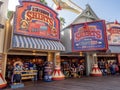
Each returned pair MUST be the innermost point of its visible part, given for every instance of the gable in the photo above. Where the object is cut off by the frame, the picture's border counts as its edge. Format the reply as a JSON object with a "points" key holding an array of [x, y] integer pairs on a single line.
{"points": [[87, 15], [90, 13]]}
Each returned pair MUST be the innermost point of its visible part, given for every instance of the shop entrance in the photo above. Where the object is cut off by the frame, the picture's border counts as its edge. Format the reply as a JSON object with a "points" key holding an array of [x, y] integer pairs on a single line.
{"points": [[108, 64], [32, 67], [73, 67]]}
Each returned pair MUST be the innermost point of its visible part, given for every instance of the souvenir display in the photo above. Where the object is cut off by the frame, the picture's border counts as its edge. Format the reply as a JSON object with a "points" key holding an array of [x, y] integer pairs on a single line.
{"points": [[48, 72], [16, 77]]}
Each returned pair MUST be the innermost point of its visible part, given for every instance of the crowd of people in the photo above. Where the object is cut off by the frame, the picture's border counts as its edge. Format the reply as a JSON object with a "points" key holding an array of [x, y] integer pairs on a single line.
{"points": [[70, 70], [73, 70], [108, 67]]}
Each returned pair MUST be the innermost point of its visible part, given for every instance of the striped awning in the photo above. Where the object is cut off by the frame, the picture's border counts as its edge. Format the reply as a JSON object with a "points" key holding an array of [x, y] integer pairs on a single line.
{"points": [[25, 42]]}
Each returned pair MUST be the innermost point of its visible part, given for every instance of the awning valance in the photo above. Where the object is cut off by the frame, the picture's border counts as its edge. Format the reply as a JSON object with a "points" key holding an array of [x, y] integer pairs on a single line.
{"points": [[19, 41], [114, 49]]}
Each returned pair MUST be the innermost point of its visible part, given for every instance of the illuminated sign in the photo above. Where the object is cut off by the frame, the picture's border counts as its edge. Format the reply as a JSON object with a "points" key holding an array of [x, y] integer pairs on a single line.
{"points": [[35, 19], [89, 36], [113, 34]]}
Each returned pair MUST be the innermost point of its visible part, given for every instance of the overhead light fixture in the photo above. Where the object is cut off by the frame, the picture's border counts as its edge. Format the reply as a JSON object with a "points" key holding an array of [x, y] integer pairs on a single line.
{"points": [[1, 2], [1, 26]]}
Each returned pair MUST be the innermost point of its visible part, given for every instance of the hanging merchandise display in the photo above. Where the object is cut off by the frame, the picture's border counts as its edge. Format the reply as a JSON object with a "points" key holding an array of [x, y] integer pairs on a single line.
{"points": [[16, 77], [48, 72]]}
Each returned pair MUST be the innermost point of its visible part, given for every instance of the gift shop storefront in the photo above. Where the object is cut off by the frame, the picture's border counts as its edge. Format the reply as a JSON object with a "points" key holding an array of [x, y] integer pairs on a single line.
{"points": [[85, 37], [90, 37], [113, 36], [31, 41]]}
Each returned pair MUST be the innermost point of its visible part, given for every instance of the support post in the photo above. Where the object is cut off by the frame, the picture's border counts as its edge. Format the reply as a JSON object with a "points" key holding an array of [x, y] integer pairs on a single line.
{"points": [[57, 73], [95, 69], [88, 63]]}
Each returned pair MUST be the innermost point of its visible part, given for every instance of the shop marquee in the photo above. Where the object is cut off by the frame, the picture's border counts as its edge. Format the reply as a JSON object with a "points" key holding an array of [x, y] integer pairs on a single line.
{"points": [[36, 19], [89, 36], [113, 34]]}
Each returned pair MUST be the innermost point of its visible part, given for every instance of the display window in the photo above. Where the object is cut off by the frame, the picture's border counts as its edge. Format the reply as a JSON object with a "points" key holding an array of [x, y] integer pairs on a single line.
{"points": [[29, 67]]}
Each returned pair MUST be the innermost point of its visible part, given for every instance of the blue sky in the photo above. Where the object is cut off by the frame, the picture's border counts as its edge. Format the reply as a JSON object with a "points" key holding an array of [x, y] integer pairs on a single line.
{"points": [[104, 9]]}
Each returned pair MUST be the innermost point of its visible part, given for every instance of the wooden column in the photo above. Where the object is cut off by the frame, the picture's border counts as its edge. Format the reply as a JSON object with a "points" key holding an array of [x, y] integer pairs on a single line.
{"points": [[57, 59], [50, 57]]}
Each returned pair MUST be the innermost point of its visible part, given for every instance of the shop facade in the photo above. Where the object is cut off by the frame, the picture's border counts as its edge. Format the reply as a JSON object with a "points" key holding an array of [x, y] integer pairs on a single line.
{"points": [[111, 56], [87, 15], [32, 38], [3, 15], [32, 35], [109, 50]]}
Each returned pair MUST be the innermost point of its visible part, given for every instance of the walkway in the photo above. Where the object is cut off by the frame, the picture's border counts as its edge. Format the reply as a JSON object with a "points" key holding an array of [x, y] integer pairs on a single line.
{"points": [[85, 83]]}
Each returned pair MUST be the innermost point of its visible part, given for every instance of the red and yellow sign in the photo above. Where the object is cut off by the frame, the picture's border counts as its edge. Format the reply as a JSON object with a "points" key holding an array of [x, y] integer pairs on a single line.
{"points": [[113, 33], [35, 19]]}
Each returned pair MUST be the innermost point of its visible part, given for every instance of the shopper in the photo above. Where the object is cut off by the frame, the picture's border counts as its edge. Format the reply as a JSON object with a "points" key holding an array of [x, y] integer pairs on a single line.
{"points": [[116, 68], [102, 67], [112, 68], [74, 71], [107, 68]]}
